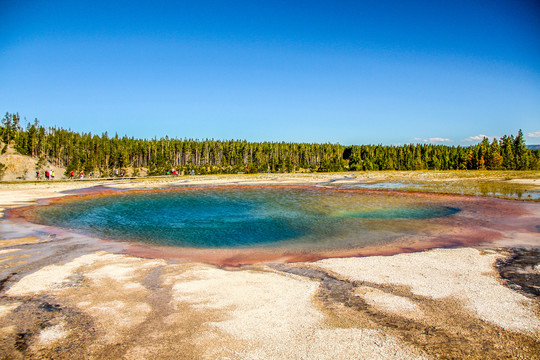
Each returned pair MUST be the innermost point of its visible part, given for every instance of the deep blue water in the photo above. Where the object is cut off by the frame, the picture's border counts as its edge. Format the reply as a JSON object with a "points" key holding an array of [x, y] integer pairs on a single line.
{"points": [[246, 217]]}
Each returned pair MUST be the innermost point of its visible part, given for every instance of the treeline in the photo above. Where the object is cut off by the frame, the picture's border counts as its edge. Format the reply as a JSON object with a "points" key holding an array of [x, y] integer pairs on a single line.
{"points": [[104, 155], [508, 153]]}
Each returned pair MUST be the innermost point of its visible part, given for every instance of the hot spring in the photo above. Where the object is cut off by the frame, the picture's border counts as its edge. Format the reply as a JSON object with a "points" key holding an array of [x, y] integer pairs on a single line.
{"points": [[248, 217], [233, 225]]}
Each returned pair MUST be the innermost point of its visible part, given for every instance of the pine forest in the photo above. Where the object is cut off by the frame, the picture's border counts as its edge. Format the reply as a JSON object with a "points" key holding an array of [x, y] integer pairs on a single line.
{"points": [[104, 155]]}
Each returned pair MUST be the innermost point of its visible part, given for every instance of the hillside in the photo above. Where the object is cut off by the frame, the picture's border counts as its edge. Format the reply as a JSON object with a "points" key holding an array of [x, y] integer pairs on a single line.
{"points": [[22, 167]]}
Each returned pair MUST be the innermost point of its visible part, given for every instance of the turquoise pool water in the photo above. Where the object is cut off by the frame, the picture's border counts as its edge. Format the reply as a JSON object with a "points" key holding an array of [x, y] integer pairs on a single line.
{"points": [[248, 217]]}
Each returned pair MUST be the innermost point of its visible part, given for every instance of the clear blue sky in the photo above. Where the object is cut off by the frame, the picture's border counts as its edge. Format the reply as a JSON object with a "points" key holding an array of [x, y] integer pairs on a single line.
{"points": [[349, 72]]}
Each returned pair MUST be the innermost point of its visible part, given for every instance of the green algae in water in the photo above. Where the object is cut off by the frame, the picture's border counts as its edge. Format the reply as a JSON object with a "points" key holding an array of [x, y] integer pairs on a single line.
{"points": [[491, 188], [403, 213], [245, 217]]}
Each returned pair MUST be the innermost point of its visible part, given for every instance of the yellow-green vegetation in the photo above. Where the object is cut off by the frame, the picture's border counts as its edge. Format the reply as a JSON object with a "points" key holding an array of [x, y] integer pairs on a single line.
{"points": [[523, 185]]}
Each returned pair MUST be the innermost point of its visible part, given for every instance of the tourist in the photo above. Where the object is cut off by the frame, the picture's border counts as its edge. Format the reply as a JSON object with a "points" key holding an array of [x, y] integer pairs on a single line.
{"points": [[71, 174], [82, 174]]}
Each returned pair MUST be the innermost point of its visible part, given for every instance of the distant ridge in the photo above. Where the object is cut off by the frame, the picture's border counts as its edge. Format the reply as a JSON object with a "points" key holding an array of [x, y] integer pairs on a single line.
{"points": [[533, 147]]}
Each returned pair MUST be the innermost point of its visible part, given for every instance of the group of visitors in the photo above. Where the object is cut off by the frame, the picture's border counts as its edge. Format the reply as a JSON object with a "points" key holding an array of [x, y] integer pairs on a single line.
{"points": [[72, 174], [49, 174]]}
